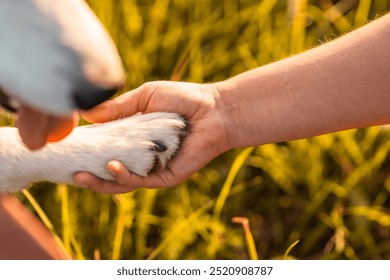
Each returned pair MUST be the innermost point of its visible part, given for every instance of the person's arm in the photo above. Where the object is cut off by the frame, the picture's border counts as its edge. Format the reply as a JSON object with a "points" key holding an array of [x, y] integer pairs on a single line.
{"points": [[339, 85]]}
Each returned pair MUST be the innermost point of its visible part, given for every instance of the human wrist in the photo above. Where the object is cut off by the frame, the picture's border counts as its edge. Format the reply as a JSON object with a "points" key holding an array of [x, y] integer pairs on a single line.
{"points": [[250, 106], [225, 93]]}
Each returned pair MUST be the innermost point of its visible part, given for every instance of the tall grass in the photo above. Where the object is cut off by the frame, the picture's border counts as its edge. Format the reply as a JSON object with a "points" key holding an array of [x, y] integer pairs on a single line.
{"points": [[330, 192]]}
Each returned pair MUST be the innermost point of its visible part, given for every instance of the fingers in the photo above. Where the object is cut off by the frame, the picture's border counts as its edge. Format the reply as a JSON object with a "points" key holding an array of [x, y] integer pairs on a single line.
{"points": [[102, 113], [182, 98], [87, 180], [124, 181], [121, 176], [124, 105]]}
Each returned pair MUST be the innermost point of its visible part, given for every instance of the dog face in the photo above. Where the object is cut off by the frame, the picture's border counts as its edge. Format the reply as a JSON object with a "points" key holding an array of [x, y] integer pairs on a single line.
{"points": [[55, 57]]}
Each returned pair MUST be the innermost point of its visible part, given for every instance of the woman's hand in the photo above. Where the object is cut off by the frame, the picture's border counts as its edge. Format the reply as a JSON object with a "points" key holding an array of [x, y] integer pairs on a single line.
{"points": [[206, 139]]}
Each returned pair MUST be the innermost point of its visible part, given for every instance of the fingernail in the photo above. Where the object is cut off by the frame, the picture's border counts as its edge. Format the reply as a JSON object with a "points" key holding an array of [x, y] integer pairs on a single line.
{"points": [[112, 173]]}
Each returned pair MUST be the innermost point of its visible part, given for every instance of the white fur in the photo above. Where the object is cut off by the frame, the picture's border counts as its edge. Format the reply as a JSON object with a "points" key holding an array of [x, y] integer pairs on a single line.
{"points": [[51, 48], [90, 148]]}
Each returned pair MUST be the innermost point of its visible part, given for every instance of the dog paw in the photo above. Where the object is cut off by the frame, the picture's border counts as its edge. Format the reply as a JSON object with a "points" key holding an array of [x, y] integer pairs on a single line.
{"points": [[145, 142]]}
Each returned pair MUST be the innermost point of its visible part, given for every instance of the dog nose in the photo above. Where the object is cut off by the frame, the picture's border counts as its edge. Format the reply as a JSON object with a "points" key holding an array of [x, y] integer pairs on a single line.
{"points": [[86, 99]]}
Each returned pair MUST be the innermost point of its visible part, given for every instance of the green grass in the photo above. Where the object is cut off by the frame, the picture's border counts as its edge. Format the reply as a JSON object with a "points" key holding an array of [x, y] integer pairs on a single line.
{"points": [[330, 192]]}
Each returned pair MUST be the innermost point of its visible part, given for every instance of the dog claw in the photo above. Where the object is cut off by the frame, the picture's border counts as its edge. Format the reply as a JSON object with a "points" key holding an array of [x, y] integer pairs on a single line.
{"points": [[186, 125], [159, 147]]}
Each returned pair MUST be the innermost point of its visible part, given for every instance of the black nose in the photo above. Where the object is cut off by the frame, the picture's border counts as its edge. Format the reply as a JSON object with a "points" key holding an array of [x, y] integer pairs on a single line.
{"points": [[86, 99], [7, 103]]}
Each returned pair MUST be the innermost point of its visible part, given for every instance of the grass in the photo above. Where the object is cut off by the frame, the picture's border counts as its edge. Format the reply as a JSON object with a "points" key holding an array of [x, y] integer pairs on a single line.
{"points": [[330, 192]]}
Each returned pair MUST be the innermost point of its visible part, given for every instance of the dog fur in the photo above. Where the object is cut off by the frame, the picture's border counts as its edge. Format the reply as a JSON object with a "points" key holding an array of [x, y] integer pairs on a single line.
{"points": [[141, 142], [52, 49], [54, 57]]}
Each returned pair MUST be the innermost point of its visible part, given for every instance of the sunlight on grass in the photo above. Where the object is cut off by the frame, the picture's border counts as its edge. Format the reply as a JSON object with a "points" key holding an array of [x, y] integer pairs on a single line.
{"points": [[45, 220], [250, 243], [286, 254]]}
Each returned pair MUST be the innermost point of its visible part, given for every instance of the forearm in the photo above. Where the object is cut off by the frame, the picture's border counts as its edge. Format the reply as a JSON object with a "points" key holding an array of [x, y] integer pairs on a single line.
{"points": [[340, 85]]}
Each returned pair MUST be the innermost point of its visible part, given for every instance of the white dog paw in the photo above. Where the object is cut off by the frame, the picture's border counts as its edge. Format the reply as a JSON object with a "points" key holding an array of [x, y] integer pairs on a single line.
{"points": [[142, 143], [146, 142]]}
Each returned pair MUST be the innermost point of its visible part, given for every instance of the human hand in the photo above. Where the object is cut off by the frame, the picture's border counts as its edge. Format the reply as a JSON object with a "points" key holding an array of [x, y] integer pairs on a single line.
{"points": [[207, 137]]}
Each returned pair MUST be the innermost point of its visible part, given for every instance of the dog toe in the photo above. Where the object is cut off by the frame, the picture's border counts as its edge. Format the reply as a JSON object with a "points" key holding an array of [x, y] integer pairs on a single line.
{"points": [[159, 146]]}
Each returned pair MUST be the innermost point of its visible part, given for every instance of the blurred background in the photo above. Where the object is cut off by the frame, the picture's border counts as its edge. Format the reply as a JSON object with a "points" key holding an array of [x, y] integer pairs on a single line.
{"points": [[326, 197]]}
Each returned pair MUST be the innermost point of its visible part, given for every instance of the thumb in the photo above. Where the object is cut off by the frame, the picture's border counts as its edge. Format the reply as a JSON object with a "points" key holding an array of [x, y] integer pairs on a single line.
{"points": [[124, 105]]}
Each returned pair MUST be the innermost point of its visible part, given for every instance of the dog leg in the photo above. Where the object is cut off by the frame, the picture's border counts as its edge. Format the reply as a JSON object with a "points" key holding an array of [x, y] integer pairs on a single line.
{"points": [[141, 142]]}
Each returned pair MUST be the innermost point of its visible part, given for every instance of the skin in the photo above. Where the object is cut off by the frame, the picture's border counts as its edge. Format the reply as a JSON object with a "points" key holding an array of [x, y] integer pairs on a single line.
{"points": [[194, 101], [340, 85]]}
